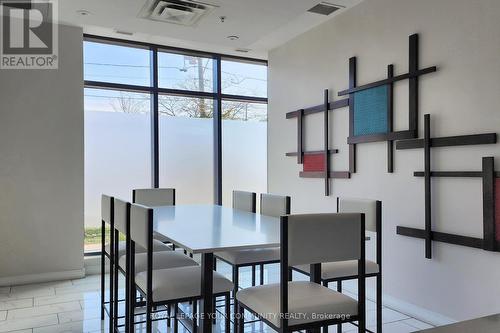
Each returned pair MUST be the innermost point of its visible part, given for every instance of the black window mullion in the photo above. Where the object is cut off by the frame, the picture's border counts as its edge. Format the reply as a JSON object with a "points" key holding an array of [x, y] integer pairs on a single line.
{"points": [[217, 130], [155, 121]]}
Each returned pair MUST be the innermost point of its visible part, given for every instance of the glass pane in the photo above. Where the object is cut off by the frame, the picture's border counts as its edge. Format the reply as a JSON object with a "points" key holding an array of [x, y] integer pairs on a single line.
{"points": [[244, 148], [244, 79], [116, 64], [186, 148], [117, 151], [185, 72]]}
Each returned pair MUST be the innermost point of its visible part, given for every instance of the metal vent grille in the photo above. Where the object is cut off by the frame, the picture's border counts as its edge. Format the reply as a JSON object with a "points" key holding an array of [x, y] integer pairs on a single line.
{"points": [[175, 11], [324, 8]]}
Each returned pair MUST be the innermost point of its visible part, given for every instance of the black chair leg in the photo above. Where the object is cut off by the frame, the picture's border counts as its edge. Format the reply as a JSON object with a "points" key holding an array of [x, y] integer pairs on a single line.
{"points": [[240, 319], [195, 316], [235, 306], [103, 267], [111, 288], [115, 280], [339, 289], [131, 306], [261, 270], [215, 309], [325, 328], [227, 321], [176, 323], [149, 321], [253, 275], [168, 314], [379, 303]]}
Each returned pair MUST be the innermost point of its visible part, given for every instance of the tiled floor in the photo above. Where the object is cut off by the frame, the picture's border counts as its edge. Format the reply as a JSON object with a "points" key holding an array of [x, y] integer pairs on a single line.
{"points": [[73, 306]]}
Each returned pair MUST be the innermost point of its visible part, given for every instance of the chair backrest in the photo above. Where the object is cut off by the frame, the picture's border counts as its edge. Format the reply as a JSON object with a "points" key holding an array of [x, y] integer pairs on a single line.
{"points": [[106, 208], [371, 208], [121, 215], [152, 197], [274, 205], [319, 238], [141, 226], [243, 200]]}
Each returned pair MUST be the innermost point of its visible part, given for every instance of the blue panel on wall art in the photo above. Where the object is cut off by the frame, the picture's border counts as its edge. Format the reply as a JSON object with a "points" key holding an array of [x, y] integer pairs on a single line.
{"points": [[370, 111]]}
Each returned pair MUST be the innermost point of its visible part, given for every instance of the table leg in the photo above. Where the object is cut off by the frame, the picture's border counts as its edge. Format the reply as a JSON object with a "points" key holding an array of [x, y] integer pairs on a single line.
{"points": [[207, 309]]}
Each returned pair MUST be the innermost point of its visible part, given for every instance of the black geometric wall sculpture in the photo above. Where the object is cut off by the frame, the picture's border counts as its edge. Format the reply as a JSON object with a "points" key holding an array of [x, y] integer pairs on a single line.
{"points": [[491, 189], [370, 118], [316, 164], [371, 106]]}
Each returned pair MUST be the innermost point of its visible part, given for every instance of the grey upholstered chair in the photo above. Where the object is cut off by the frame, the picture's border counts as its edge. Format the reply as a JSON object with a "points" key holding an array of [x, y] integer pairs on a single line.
{"points": [[153, 197], [161, 259], [347, 270], [115, 249], [163, 287], [311, 239], [270, 205]]}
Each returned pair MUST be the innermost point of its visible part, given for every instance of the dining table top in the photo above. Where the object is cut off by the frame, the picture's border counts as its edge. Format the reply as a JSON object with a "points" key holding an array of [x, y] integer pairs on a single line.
{"points": [[214, 228]]}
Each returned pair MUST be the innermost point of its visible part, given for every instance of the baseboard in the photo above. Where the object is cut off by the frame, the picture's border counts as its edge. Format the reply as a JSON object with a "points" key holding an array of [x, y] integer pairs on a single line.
{"points": [[42, 277], [406, 308]]}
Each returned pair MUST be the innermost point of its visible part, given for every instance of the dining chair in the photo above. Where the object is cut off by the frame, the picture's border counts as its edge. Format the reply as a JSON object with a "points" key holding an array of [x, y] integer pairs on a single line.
{"points": [[310, 239], [161, 259], [270, 205], [115, 248], [107, 252], [163, 287], [153, 197], [347, 270]]}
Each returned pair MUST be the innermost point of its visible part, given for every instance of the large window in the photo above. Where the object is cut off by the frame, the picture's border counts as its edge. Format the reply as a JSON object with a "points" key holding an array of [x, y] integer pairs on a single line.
{"points": [[160, 117], [117, 151], [186, 148]]}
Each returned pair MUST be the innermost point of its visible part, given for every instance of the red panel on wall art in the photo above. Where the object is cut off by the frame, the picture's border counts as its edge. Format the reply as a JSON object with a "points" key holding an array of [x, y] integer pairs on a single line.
{"points": [[497, 209], [314, 162]]}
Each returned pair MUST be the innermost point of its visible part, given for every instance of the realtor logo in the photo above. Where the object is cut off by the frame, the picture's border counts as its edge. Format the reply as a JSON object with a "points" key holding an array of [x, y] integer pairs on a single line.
{"points": [[29, 38]]}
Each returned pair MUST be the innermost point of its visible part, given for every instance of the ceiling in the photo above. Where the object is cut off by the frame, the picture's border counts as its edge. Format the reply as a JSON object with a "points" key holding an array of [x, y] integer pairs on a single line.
{"points": [[260, 24]]}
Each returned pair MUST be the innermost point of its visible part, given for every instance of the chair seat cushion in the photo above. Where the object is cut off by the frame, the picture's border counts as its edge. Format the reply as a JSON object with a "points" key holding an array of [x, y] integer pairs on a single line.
{"points": [[339, 269], [161, 260], [122, 246], [179, 283], [254, 256], [307, 302]]}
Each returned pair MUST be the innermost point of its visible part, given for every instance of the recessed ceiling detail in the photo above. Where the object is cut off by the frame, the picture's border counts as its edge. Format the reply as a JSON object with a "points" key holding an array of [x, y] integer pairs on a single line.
{"points": [[175, 11], [324, 8]]}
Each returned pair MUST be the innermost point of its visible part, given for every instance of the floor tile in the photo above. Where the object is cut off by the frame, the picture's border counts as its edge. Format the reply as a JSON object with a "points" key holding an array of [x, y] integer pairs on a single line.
{"points": [[66, 298], [396, 327], [78, 288], [27, 292], [417, 324], [41, 285], [16, 303], [388, 316], [26, 323], [73, 327], [79, 315], [43, 310]]}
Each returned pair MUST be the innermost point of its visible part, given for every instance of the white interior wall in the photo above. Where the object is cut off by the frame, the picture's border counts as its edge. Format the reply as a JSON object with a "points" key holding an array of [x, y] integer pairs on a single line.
{"points": [[463, 39], [41, 168]]}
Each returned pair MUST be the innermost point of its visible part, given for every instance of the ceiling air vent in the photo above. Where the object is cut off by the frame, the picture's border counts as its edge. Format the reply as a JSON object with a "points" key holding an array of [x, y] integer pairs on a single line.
{"points": [[182, 12], [325, 8]]}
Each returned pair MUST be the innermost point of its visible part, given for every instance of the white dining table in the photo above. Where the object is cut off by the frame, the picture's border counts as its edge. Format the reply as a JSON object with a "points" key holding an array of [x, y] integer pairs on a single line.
{"points": [[205, 229]]}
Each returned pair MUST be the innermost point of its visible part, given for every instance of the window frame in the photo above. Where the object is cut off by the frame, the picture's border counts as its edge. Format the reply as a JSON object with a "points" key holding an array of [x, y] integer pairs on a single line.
{"points": [[216, 96]]}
